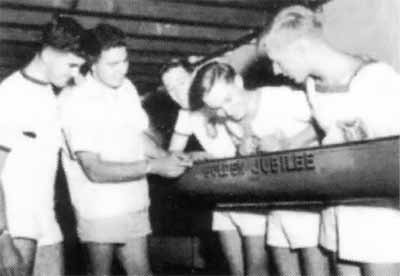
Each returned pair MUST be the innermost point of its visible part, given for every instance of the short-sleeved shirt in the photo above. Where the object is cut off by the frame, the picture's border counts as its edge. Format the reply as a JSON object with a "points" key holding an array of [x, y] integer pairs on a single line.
{"points": [[372, 99], [109, 122], [282, 111], [194, 122], [30, 129]]}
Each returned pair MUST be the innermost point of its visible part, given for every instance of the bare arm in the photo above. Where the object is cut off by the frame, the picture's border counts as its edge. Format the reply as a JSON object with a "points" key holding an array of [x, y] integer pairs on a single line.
{"points": [[178, 142], [152, 146], [3, 217], [102, 171], [303, 139], [10, 259]]}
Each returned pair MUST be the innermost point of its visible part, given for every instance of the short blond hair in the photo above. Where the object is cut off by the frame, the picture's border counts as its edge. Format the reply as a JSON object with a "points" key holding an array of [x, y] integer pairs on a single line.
{"points": [[288, 25]]}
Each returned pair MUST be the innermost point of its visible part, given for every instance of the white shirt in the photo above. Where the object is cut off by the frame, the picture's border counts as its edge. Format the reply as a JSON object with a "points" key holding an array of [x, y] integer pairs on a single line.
{"points": [[282, 112], [372, 101], [30, 128], [194, 122], [109, 122]]}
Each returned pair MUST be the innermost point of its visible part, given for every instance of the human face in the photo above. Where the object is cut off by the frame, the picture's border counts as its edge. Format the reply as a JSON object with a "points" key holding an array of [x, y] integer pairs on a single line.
{"points": [[177, 81], [288, 60], [62, 67], [227, 99], [111, 67]]}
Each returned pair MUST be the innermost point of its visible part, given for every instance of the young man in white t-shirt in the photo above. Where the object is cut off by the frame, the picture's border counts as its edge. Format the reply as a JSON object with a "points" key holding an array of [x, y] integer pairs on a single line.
{"points": [[272, 118], [107, 157], [30, 138], [360, 101], [235, 230]]}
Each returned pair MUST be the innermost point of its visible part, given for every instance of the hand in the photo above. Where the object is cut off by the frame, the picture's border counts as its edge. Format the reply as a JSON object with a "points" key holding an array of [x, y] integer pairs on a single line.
{"points": [[171, 166], [353, 130], [249, 145], [270, 143], [11, 262]]}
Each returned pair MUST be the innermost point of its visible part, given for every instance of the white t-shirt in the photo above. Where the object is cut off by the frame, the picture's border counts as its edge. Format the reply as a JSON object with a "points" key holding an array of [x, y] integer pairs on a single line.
{"points": [[194, 122], [282, 112], [30, 128], [109, 122], [372, 100]]}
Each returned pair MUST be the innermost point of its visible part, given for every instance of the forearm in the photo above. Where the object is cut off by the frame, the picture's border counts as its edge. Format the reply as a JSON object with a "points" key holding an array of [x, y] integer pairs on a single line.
{"points": [[303, 139], [152, 148], [3, 216], [102, 171], [178, 142]]}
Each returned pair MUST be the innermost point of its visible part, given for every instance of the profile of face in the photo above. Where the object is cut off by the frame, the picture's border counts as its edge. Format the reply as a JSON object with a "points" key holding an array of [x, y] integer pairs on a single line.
{"points": [[112, 66], [227, 99], [177, 82], [288, 60], [61, 66]]}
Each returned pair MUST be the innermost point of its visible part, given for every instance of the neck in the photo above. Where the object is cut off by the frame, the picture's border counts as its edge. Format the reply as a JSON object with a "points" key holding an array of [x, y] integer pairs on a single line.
{"points": [[36, 69], [337, 68], [252, 103]]}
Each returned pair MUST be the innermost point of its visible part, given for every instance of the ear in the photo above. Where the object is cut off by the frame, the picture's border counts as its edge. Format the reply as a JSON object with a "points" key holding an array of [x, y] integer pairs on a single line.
{"points": [[238, 81], [46, 54]]}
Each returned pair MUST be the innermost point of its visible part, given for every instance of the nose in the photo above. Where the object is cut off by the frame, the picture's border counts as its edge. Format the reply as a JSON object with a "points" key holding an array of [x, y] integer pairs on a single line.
{"points": [[221, 113], [276, 68], [123, 68]]}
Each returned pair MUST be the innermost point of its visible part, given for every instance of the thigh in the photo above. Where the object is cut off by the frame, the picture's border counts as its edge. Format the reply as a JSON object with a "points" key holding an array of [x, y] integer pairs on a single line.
{"points": [[27, 249], [255, 255], [314, 262], [380, 269], [286, 261], [49, 260], [232, 248], [100, 257], [134, 256]]}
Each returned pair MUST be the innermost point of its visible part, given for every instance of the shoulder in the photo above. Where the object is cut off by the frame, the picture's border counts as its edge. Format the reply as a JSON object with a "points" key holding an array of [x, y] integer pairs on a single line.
{"points": [[278, 96], [376, 76]]}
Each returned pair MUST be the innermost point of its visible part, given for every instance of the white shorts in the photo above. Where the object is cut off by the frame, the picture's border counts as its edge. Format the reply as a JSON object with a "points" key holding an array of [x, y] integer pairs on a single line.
{"points": [[117, 229], [42, 227], [247, 224], [362, 234], [293, 229]]}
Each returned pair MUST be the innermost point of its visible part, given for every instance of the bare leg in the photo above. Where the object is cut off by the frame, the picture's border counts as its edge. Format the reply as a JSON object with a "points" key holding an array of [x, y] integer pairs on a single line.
{"points": [[347, 269], [49, 260], [380, 269], [286, 261], [255, 256], [134, 256], [232, 249], [314, 262], [100, 256], [27, 249]]}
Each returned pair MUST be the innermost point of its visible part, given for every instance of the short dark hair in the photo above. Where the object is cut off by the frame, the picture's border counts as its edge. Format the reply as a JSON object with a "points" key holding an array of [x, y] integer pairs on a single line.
{"points": [[175, 62], [101, 38], [205, 78], [64, 34]]}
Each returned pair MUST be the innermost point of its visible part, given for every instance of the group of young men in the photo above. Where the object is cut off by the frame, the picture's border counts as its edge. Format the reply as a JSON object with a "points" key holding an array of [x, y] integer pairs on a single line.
{"points": [[100, 128], [345, 98]]}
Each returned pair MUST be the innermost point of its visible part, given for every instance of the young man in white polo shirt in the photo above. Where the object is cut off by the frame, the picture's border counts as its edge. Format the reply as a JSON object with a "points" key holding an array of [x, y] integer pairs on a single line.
{"points": [[106, 162], [30, 138]]}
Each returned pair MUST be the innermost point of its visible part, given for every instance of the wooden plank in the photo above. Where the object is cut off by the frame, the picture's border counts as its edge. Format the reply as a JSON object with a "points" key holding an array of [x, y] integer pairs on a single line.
{"points": [[32, 35], [18, 49], [249, 4], [131, 27], [169, 12]]}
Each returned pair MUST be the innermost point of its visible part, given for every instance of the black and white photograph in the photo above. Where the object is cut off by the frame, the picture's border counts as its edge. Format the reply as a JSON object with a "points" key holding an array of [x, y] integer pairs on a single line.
{"points": [[200, 137]]}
